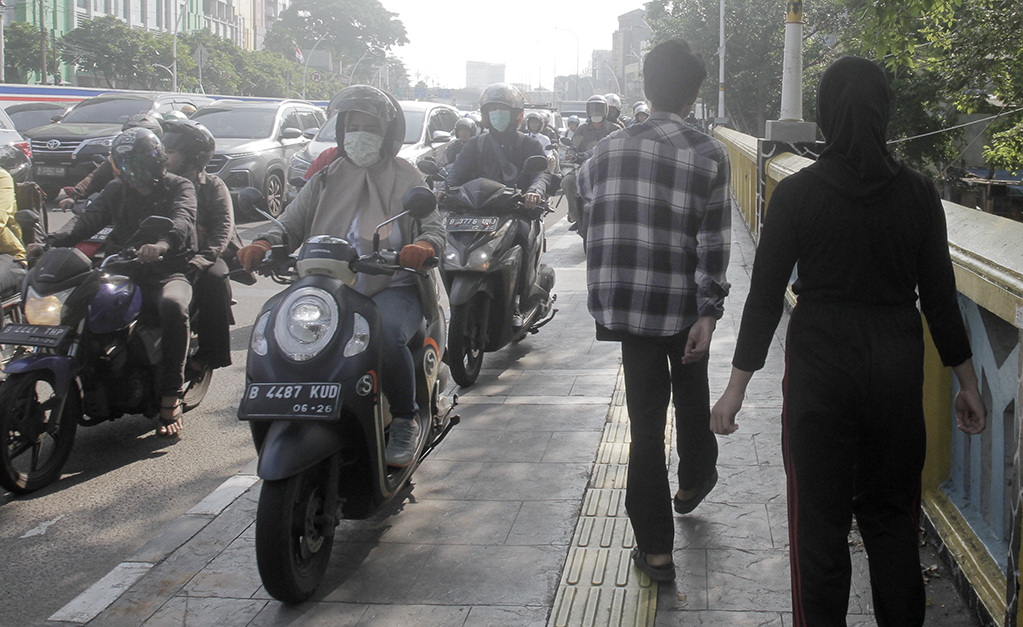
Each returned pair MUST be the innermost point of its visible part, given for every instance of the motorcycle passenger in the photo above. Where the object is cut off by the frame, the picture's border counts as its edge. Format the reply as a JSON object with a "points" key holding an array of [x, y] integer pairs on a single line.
{"points": [[360, 189], [614, 110], [465, 129], [499, 155], [596, 128], [96, 180], [190, 147], [573, 126], [12, 251], [641, 112], [143, 188], [534, 128]]}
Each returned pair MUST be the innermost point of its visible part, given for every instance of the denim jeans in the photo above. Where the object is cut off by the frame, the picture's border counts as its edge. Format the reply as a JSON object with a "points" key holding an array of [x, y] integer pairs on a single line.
{"points": [[401, 313]]}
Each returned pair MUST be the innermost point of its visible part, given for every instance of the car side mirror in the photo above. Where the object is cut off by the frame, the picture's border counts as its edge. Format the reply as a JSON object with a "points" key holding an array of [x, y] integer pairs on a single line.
{"points": [[291, 133], [310, 133], [57, 118], [440, 136]]}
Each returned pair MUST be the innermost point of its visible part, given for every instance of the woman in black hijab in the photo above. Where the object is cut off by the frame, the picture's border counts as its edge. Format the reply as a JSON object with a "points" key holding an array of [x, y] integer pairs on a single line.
{"points": [[868, 234]]}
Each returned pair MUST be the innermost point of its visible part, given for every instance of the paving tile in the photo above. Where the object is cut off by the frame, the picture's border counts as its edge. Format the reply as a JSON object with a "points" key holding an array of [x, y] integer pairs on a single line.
{"points": [[233, 574], [277, 614], [768, 447], [544, 523], [418, 615], [439, 479], [572, 446], [741, 580], [737, 449], [487, 616], [489, 575], [493, 446], [531, 481], [718, 619], [525, 417], [778, 514], [748, 484], [742, 526], [364, 572], [689, 590], [442, 521], [206, 612]]}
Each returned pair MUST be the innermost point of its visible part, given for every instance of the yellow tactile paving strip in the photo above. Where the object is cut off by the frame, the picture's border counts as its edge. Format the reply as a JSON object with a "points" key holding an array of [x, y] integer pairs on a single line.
{"points": [[599, 585]]}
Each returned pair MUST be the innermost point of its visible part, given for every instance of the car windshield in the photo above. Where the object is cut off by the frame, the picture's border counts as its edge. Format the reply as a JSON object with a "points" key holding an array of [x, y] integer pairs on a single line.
{"points": [[106, 111], [237, 124], [413, 126], [24, 120], [328, 132]]}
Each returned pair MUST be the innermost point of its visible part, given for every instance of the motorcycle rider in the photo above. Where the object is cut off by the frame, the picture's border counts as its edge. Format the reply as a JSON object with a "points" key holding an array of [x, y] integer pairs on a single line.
{"points": [[465, 129], [614, 110], [190, 147], [573, 125], [143, 188], [640, 112], [534, 128], [596, 128], [360, 189], [96, 180], [499, 155], [12, 250]]}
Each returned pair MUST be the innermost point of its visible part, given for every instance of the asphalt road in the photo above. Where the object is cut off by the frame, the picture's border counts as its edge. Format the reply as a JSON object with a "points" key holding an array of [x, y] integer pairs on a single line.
{"points": [[122, 485]]}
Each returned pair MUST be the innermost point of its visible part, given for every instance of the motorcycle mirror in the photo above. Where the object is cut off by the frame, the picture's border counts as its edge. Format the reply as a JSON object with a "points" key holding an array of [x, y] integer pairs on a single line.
{"points": [[251, 199], [566, 141], [534, 164], [296, 181], [428, 166], [420, 202], [440, 136]]}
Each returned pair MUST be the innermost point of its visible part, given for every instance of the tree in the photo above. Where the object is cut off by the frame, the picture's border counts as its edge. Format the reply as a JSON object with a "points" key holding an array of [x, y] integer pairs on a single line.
{"points": [[21, 52], [107, 47]]}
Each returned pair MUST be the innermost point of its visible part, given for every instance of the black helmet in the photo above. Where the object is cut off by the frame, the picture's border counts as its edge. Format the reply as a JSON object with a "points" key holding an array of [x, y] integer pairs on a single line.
{"points": [[147, 119], [596, 105], [375, 102], [502, 93], [138, 157], [191, 139], [467, 123]]}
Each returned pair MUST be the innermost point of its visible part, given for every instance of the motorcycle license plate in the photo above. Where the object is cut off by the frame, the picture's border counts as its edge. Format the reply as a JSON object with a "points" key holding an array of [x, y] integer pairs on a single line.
{"points": [[472, 223], [300, 401], [33, 335]]}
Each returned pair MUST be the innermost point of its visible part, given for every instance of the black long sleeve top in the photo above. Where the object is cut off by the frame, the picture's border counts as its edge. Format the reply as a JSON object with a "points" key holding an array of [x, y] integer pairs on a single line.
{"points": [[878, 250]]}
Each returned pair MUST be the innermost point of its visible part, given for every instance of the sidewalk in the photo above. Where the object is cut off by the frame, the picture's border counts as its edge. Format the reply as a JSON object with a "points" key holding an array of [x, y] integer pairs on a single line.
{"points": [[517, 519]]}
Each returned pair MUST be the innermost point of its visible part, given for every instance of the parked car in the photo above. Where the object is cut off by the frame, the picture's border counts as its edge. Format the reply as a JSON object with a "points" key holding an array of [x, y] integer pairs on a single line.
{"points": [[64, 152], [255, 143], [428, 128], [29, 115], [15, 152]]}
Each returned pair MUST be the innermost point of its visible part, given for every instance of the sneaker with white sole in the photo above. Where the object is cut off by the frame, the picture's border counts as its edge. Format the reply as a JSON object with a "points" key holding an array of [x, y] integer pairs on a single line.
{"points": [[401, 444]]}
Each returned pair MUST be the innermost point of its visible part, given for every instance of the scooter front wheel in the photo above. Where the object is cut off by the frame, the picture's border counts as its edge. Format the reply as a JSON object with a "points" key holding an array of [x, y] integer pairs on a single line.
{"points": [[294, 535], [466, 340], [36, 441]]}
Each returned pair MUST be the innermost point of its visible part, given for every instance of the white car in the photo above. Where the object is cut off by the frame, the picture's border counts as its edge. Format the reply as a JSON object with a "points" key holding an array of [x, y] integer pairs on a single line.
{"points": [[428, 128]]}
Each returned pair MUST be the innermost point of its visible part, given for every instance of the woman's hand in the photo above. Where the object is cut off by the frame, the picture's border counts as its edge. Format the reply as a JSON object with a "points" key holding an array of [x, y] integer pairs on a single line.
{"points": [[531, 200], [252, 255], [971, 415], [414, 255], [722, 416]]}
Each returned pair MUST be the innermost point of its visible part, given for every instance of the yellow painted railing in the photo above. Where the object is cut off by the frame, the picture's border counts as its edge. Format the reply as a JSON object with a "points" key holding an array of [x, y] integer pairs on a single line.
{"points": [[987, 254]]}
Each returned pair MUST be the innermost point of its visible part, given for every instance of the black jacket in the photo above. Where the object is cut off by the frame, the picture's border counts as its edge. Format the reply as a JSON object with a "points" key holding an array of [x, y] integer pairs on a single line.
{"points": [[482, 157]]}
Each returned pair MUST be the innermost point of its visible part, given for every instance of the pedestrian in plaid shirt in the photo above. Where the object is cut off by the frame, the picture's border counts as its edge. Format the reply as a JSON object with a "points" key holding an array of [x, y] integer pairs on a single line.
{"points": [[658, 206]]}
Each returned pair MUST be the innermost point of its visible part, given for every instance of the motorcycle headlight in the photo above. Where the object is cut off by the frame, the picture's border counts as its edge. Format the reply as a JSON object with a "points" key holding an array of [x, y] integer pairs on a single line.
{"points": [[258, 343], [306, 322], [45, 310], [360, 337], [480, 258]]}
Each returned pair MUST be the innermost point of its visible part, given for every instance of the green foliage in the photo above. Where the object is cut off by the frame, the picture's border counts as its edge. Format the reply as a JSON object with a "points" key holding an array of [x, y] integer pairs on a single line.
{"points": [[109, 48], [22, 52]]}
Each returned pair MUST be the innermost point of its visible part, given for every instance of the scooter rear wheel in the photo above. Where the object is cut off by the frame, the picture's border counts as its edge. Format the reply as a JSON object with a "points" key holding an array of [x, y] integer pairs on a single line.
{"points": [[35, 442], [293, 539], [466, 340]]}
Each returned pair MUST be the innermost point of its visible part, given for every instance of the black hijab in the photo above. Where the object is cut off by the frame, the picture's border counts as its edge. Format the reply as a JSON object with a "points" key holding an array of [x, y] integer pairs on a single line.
{"points": [[853, 103]]}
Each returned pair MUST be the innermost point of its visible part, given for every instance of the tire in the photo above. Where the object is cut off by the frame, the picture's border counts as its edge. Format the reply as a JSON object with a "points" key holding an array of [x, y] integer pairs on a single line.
{"points": [[36, 444], [292, 542], [274, 192], [197, 383], [466, 340]]}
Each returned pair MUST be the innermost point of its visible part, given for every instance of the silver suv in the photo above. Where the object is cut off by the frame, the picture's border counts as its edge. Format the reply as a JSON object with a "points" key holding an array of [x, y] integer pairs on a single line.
{"points": [[255, 143]]}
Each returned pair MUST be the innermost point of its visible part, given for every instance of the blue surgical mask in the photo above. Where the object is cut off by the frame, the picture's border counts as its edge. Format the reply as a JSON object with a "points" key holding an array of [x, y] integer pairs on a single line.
{"points": [[500, 119]]}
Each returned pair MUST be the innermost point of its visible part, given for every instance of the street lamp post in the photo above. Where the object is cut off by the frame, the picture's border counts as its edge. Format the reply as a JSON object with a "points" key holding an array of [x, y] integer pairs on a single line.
{"points": [[618, 87], [351, 74], [174, 47], [310, 58], [576, 47]]}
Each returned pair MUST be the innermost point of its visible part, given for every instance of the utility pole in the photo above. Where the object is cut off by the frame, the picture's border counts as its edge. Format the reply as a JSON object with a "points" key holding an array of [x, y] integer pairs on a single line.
{"points": [[42, 38], [790, 126], [3, 61], [721, 67]]}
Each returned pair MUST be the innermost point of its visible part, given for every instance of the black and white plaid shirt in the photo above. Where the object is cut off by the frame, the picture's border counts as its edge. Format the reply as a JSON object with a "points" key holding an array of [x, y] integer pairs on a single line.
{"points": [[658, 202]]}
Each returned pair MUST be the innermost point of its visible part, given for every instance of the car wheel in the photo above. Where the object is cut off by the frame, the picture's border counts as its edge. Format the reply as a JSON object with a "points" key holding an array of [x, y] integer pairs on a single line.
{"points": [[274, 192]]}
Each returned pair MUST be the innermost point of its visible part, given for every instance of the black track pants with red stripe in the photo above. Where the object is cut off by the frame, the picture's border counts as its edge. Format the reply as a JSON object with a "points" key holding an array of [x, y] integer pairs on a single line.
{"points": [[854, 443]]}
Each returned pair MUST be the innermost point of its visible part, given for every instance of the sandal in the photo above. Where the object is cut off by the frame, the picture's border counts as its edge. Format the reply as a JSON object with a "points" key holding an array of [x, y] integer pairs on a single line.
{"points": [[657, 573], [170, 427]]}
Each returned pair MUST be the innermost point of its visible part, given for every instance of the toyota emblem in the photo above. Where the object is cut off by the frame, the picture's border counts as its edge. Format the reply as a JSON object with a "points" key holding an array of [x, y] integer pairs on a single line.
{"points": [[53, 144]]}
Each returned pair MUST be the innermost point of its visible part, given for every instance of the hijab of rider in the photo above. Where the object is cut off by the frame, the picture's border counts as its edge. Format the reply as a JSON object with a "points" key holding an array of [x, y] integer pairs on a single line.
{"points": [[853, 102], [369, 194]]}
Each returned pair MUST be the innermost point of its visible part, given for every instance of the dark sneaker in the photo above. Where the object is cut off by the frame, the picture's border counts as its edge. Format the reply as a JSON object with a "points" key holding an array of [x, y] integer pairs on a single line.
{"points": [[401, 445]]}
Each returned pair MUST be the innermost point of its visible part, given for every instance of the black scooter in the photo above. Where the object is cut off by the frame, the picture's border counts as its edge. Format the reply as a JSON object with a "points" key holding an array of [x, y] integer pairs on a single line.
{"points": [[314, 404], [487, 270]]}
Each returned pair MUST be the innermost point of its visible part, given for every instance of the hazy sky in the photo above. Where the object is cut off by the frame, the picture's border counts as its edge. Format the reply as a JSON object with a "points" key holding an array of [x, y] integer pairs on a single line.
{"points": [[521, 34]]}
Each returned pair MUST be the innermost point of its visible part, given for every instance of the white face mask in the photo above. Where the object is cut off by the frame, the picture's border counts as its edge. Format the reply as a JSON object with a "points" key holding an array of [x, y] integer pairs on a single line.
{"points": [[597, 119], [363, 147], [500, 120]]}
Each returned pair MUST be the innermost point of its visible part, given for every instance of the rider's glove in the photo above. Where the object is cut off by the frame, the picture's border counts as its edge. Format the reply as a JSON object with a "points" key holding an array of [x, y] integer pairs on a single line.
{"points": [[34, 251], [252, 255], [414, 255]]}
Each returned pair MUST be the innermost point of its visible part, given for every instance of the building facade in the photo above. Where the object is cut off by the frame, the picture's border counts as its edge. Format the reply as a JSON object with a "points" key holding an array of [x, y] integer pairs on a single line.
{"points": [[627, 49], [479, 74]]}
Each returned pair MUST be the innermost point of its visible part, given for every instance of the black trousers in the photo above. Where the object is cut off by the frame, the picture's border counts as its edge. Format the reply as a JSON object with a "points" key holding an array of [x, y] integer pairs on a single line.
{"points": [[854, 444], [212, 297], [653, 373]]}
